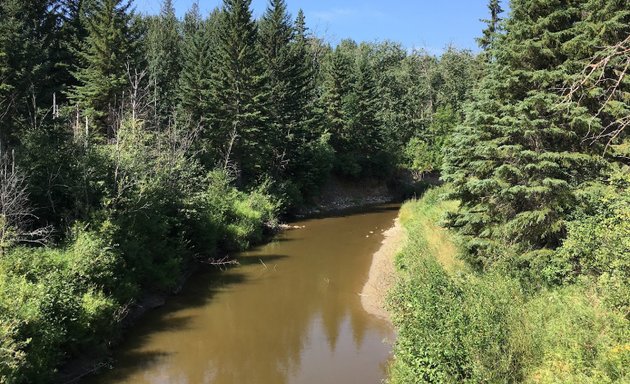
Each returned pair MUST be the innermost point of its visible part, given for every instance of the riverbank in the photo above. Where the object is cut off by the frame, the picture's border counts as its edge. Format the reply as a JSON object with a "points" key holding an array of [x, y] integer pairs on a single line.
{"points": [[340, 194], [382, 275], [457, 324]]}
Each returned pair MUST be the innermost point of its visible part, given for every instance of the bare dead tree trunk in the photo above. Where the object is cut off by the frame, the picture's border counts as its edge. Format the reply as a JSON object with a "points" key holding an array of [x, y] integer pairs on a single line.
{"points": [[230, 146], [138, 93], [16, 216]]}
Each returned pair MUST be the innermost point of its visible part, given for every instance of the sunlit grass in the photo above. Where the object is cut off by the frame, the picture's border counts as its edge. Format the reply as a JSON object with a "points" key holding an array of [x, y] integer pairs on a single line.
{"points": [[456, 324]]}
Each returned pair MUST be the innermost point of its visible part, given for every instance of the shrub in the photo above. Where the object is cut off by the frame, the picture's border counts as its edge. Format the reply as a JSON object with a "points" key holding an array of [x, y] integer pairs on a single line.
{"points": [[54, 302], [597, 246], [576, 339]]}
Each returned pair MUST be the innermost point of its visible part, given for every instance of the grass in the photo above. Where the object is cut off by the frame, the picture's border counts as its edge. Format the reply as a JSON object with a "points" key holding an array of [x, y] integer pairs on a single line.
{"points": [[457, 325], [422, 218]]}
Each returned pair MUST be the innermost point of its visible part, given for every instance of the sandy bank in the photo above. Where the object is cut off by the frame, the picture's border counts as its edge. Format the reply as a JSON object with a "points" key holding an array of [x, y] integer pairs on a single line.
{"points": [[382, 272]]}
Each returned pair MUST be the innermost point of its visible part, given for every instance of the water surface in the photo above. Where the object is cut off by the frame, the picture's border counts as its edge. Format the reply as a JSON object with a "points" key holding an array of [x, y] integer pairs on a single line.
{"points": [[290, 313]]}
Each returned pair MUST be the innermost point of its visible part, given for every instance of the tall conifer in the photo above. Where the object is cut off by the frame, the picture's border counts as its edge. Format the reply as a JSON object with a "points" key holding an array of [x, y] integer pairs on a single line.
{"points": [[493, 25], [239, 126], [104, 56], [366, 127], [164, 60], [520, 157], [28, 31], [195, 101], [284, 53]]}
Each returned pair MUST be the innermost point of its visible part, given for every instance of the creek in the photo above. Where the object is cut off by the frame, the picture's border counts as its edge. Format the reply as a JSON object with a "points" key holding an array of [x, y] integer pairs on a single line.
{"points": [[289, 313]]}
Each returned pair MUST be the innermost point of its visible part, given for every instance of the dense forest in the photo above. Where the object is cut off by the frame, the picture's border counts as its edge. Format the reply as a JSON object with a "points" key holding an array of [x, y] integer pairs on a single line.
{"points": [[133, 146]]}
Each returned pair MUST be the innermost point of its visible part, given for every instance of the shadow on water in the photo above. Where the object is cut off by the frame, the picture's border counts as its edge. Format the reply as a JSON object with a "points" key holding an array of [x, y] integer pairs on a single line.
{"points": [[290, 312], [131, 357], [346, 212], [140, 359]]}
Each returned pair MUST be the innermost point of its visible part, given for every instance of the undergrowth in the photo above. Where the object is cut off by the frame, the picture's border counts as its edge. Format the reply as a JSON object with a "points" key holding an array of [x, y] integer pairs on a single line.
{"points": [[457, 325]]}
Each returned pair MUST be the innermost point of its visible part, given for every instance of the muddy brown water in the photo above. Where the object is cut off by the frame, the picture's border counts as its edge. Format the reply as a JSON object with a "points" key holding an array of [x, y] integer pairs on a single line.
{"points": [[290, 313]]}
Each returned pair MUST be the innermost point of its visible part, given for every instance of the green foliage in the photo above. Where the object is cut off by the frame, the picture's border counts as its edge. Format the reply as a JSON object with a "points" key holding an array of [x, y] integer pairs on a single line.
{"points": [[598, 243], [194, 88], [575, 339], [456, 325], [27, 61], [215, 125], [493, 25], [351, 109], [419, 157], [56, 301], [316, 162], [452, 326], [519, 160], [164, 60], [65, 180], [224, 218], [103, 56], [241, 94]]}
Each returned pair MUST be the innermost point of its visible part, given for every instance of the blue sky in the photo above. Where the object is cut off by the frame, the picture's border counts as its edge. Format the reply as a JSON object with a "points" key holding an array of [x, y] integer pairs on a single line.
{"points": [[427, 24]]}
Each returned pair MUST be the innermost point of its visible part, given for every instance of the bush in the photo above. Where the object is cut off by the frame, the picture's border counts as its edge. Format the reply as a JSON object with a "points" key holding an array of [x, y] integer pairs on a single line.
{"points": [[54, 302], [456, 329], [597, 246], [229, 219]]}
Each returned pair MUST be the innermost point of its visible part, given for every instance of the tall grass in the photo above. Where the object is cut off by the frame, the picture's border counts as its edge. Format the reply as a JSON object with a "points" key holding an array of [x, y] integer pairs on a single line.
{"points": [[457, 325]]}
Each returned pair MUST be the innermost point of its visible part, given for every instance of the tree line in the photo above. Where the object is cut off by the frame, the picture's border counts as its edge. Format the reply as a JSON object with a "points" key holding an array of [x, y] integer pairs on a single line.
{"points": [[132, 146]]}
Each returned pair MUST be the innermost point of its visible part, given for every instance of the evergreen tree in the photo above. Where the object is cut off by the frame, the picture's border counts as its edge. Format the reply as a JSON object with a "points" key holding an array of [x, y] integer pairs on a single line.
{"points": [[164, 60], [194, 91], [351, 108], [285, 54], [493, 26], [366, 133], [337, 91], [239, 126], [28, 30], [519, 159], [104, 56], [72, 35], [304, 80]]}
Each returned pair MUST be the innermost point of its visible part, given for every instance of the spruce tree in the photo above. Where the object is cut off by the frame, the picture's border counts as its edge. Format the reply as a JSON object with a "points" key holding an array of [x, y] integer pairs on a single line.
{"points": [[520, 158], [304, 80], [337, 93], [28, 31], [164, 60], [71, 36], [239, 125], [493, 25], [284, 53], [365, 129], [103, 59], [194, 89]]}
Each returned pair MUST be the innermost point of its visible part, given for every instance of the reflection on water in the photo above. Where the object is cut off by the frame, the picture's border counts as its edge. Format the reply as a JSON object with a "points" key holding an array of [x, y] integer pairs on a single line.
{"points": [[290, 313]]}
